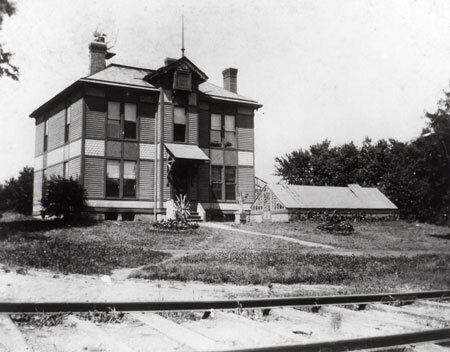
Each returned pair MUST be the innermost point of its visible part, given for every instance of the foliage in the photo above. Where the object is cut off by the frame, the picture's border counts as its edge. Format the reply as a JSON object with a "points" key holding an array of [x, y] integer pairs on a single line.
{"points": [[414, 175], [336, 224], [63, 197], [110, 317], [175, 225], [39, 320], [182, 207], [7, 69], [16, 195], [69, 256], [246, 267]]}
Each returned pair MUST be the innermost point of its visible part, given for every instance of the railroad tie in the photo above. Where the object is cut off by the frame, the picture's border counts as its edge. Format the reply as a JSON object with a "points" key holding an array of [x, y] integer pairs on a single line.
{"points": [[11, 339]]}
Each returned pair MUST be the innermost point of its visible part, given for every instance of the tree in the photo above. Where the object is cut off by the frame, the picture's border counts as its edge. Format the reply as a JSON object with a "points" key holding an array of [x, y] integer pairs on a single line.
{"points": [[17, 194], [63, 198], [7, 8]]}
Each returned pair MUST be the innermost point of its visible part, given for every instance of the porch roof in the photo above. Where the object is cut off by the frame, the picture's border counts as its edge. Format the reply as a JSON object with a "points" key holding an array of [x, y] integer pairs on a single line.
{"points": [[186, 151]]}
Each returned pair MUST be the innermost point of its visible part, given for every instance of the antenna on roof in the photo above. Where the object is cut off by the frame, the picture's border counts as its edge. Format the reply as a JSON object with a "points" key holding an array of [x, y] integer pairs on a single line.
{"points": [[182, 32]]}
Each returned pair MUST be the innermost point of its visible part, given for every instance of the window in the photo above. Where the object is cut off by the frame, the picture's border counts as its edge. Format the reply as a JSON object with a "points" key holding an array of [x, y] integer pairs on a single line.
{"points": [[122, 120], [45, 135], [179, 124], [182, 80], [66, 170], [221, 190], [129, 124], [230, 183], [121, 179], [113, 126], [216, 180], [230, 131], [223, 131], [216, 130], [113, 178], [129, 179], [67, 125]]}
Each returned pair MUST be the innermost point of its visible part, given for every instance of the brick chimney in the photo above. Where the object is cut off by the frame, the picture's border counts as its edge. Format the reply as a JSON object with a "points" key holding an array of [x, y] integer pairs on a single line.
{"points": [[98, 52], [169, 60], [230, 79]]}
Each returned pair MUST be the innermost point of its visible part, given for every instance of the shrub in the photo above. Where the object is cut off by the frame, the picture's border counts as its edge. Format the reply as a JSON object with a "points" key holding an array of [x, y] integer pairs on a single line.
{"points": [[175, 225], [336, 224], [63, 198]]}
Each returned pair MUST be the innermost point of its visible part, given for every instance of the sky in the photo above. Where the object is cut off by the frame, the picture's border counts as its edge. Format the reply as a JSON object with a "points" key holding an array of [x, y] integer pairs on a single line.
{"points": [[323, 69]]}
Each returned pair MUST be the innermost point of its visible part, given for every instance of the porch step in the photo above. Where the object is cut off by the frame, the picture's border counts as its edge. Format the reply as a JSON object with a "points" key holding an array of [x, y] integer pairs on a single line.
{"points": [[194, 217]]}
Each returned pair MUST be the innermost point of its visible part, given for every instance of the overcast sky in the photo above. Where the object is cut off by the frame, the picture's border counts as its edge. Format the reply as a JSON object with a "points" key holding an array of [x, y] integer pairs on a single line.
{"points": [[341, 70]]}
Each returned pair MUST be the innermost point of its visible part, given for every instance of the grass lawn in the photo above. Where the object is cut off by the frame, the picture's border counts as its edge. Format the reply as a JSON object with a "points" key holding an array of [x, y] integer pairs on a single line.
{"points": [[369, 237], [220, 256]]}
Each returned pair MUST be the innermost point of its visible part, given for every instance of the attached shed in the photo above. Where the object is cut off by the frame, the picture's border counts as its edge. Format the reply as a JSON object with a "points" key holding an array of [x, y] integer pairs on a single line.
{"points": [[277, 202]]}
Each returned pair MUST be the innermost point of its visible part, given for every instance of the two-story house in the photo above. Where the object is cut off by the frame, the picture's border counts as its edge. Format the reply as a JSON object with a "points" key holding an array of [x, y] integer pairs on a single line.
{"points": [[137, 137]]}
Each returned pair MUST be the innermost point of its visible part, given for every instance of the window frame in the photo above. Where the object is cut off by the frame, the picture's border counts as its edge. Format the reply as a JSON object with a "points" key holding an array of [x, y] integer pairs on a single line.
{"points": [[223, 183], [122, 178], [122, 120], [67, 122], [45, 135], [217, 182], [223, 131], [230, 183]]}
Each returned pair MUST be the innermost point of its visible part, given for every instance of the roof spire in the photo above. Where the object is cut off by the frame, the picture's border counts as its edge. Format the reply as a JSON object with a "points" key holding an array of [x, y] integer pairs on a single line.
{"points": [[182, 32]]}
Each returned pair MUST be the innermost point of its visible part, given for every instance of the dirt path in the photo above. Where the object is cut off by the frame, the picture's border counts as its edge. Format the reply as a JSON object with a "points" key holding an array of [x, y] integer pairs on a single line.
{"points": [[43, 285], [288, 239]]}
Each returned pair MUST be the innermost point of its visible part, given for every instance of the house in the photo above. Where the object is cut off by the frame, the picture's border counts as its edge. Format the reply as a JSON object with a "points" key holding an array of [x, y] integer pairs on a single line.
{"points": [[138, 137], [278, 202]]}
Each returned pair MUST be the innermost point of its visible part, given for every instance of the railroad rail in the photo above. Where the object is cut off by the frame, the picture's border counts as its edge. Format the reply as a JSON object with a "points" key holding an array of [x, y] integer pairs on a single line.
{"points": [[432, 335], [262, 303]]}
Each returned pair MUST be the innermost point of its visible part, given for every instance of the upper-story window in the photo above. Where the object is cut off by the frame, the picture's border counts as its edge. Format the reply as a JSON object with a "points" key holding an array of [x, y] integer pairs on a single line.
{"points": [[223, 131], [67, 125], [122, 120], [179, 124], [45, 135], [182, 80]]}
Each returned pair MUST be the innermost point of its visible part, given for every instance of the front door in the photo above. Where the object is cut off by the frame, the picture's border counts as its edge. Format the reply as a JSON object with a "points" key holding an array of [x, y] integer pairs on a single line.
{"points": [[182, 180]]}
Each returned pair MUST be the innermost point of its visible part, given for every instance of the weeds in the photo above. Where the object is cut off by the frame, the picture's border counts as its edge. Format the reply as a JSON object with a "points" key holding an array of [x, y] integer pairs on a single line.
{"points": [[39, 320]]}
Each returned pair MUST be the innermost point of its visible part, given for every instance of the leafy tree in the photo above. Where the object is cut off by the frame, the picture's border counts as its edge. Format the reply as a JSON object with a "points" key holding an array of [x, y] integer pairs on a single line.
{"points": [[7, 8], [415, 175], [63, 198], [17, 194]]}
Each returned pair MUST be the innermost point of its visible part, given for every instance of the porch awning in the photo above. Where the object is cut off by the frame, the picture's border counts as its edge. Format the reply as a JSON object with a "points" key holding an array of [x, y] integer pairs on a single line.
{"points": [[186, 151]]}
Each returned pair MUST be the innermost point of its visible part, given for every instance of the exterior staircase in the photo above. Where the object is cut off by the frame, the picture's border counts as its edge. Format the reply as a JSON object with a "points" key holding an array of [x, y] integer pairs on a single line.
{"points": [[194, 217]]}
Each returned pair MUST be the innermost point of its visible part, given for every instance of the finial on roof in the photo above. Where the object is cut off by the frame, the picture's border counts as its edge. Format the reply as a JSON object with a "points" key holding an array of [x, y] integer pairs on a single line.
{"points": [[182, 32]]}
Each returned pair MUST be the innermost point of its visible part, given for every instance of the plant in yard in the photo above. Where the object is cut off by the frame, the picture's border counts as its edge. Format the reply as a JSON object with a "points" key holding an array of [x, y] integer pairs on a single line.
{"points": [[335, 224], [182, 208], [63, 198]]}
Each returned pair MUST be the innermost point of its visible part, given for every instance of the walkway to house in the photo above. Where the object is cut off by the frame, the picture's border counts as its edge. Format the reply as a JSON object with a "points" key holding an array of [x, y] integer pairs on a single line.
{"points": [[222, 226]]}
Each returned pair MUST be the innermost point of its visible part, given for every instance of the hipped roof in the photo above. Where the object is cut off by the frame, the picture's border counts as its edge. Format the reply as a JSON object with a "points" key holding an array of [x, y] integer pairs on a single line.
{"points": [[325, 197], [133, 77]]}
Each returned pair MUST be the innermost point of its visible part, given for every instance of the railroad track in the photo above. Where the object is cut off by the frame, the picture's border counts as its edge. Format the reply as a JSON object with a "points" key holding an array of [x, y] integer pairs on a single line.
{"points": [[413, 320]]}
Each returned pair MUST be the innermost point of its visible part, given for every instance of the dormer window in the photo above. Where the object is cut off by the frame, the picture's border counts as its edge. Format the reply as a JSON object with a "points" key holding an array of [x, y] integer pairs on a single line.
{"points": [[182, 80]]}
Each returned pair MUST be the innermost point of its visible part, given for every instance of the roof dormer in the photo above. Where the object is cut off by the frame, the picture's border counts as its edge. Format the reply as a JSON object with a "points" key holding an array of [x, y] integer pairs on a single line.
{"points": [[179, 74]]}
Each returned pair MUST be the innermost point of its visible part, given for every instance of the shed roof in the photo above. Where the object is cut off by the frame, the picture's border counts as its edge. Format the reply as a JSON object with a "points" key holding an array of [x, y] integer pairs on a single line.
{"points": [[186, 151], [325, 197]]}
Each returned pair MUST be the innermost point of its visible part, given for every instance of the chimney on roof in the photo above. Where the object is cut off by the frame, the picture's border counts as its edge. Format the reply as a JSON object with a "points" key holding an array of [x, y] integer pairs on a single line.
{"points": [[169, 60], [98, 52], [230, 79]]}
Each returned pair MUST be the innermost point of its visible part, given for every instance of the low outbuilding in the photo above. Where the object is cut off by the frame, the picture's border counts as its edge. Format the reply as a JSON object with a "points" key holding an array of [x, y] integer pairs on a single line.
{"points": [[280, 202]]}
